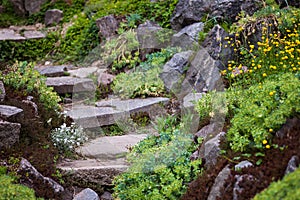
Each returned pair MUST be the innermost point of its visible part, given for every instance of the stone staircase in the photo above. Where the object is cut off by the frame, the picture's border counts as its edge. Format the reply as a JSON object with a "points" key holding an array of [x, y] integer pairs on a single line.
{"points": [[103, 155], [20, 33]]}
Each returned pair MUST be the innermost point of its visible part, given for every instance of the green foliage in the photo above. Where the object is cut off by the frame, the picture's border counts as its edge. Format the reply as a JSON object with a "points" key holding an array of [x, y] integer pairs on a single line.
{"points": [[11, 191], [29, 50], [24, 78], [161, 167], [286, 189], [144, 81]]}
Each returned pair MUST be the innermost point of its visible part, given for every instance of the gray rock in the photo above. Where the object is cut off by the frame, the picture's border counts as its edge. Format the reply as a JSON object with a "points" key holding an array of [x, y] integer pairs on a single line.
{"points": [[105, 79], [2, 91], [147, 35], [34, 179], [293, 164], [218, 186], [188, 36], [190, 99], [34, 35], [174, 69], [108, 26], [8, 34], [86, 194], [106, 196], [237, 189], [109, 112], [11, 113], [195, 155], [19, 7], [243, 164], [63, 85], [207, 132], [33, 6], [53, 17], [34, 108], [53, 71], [211, 150], [188, 12], [214, 38], [9, 133], [83, 72], [202, 74]]}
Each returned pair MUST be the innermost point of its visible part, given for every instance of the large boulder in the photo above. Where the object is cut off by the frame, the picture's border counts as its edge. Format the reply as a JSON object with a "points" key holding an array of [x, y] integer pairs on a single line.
{"points": [[42, 185], [33, 6], [108, 26], [174, 69], [53, 17], [188, 12], [87, 194], [9, 133]]}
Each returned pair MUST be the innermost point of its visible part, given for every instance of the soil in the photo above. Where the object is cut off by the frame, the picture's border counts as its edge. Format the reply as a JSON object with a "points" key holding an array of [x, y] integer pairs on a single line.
{"points": [[271, 169]]}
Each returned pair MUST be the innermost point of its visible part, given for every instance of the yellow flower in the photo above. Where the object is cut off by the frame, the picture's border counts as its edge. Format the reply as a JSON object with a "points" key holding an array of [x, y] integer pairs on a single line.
{"points": [[264, 74], [252, 46], [270, 130], [268, 146], [232, 75], [271, 93], [265, 141], [229, 68]]}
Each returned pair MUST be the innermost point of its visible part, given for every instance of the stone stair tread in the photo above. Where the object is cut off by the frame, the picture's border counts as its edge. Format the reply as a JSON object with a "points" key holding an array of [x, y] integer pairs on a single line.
{"points": [[54, 71], [91, 164], [83, 72], [10, 112], [110, 147], [63, 85], [8, 34]]}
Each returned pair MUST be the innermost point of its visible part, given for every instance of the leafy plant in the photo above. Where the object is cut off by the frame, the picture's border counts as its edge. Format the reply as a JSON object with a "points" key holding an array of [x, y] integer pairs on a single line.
{"points": [[23, 77]]}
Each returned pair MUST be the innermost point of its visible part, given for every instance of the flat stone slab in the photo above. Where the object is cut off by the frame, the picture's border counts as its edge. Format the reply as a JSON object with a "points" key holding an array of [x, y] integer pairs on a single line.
{"points": [[8, 34], [63, 85], [109, 112], [83, 72], [110, 147], [34, 35], [54, 71], [10, 113]]}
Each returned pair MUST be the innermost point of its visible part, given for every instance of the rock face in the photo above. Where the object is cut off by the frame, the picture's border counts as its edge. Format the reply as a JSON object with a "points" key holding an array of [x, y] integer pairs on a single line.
{"points": [[212, 44], [217, 188], [188, 36], [188, 12], [33, 179], [9, 133], [53, 17], [108, 26], [174, 69], [86, 194], [203, 74], [2, 91]]}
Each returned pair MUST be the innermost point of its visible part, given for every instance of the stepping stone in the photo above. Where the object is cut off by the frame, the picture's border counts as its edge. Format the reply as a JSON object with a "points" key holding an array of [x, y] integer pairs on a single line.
{"points": [[54, 71], [34, 35], [64, 85], [11, 113], [7, 34], [83, 72], [110, 112], [110, 147]]}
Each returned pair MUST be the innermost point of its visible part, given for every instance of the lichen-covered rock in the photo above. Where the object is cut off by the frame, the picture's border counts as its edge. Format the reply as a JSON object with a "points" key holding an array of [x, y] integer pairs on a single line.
{"points": [[9, 133], [188, 12], [42, 185]]}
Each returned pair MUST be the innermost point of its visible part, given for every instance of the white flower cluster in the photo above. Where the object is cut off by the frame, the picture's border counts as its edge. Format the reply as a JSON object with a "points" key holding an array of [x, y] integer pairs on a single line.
{"points": [[67, 138]]}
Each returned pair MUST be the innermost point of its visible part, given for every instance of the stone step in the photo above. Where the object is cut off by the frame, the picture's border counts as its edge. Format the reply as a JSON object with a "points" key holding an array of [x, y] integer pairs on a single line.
{"points": [[64, 85], [54, 71], [11, 113], [112, 111], [10, 34], [110, 147]]}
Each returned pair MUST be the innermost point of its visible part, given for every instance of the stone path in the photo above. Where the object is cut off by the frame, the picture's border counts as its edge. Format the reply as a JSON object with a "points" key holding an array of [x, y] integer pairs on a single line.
{"points": [[20, 34]]}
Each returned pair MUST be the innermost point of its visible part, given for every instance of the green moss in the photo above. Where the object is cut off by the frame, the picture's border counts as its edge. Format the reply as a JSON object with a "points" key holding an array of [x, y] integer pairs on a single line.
{"points": [[286, 189]]}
